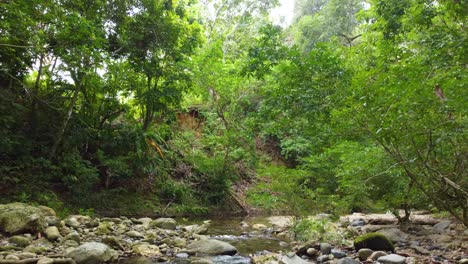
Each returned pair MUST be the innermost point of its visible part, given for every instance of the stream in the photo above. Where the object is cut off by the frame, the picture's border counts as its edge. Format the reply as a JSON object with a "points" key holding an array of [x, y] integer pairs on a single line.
{"points": [[247, 241]]}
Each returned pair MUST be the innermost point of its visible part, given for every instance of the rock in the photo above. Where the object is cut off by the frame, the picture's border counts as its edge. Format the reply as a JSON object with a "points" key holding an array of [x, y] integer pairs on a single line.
{"points": [[442, 226], [421, 250], [259, 226], [312, 252], [134, 234], [113, 242], [244, 225], [147, 250], [441, 238], [20, 241], [196, 229], [463, 261], [323, 258], [292, 259], [164, 223], [145, 221], [11, 257], [47, 211], [36, 249], [374, 241], [182, 255], [211, 247], [72, 236], [175, 242], [364, 253], [392, 259], [104, 228], [52, 220], [52, 233], [338, 253], [46, 261], [395, 235], [358, 222], [93, 223], [72, 222], [348, 260], [377, 254], [410, 260], [26, 255], [70, 243], [17, 218], [92, 253], [325, 248]]}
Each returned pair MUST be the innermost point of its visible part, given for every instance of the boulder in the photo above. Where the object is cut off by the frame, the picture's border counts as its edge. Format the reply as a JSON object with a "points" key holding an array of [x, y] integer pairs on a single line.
{"points": [[72, 236], [52, 233], [113, 242], [392, 259], [20, 241], [338, 253], [164, 223], [374, 241], [92, 253], [47, 211], [17, 218], [211, 247]]}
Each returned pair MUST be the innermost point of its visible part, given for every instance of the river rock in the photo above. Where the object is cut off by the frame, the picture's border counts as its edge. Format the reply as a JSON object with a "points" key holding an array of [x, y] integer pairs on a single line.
{"points": [[47, 211], [325, 248], [134, 234], [52, 233], [113, 242], [26, 255], [92, 253], [259, 226], [145, 221], [392, 259], [442, 226], [211, 247], [364, 253], [164, 223], [12, 257], [348, 260], [463, 261], [17, 218], [20, 241], [323, 258], [46, 261], [338, 253], [147, 250], [312, 252], [395, 235], [72, 222], [377, 254], [196, 229], [292, 259], [357, 222], [72, 236]]}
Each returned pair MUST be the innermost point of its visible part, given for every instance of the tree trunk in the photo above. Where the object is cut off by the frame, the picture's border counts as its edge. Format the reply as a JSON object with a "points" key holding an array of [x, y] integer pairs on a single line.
{"points": [[63, 127]]}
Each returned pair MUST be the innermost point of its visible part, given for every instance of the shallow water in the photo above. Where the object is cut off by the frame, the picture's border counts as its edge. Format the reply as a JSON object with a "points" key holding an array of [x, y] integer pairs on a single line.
{"points": [[246, 240]]}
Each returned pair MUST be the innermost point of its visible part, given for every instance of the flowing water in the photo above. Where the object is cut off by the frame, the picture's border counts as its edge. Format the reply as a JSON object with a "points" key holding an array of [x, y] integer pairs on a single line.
{"points": [[246, 240]]}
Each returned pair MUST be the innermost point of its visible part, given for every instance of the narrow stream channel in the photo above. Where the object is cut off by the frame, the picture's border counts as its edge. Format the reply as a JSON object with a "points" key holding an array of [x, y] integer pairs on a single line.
{"points": [[247, 241]]}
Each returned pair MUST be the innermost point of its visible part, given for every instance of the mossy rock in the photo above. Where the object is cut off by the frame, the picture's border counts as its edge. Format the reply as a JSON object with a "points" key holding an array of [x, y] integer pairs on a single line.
{"points": [[374, 241]]}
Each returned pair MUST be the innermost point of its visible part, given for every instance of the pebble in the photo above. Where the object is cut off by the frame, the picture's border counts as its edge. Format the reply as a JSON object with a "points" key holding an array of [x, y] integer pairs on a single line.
{"points": [[392, 259], [364, 253]]}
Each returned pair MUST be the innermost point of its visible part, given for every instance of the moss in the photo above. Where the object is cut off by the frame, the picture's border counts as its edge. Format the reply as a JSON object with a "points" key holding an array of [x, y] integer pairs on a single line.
{"points": [[374, 241]]}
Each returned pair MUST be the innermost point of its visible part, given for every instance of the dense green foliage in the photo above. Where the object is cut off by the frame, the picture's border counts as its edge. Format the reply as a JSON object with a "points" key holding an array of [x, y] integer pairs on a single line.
{"points": [[178, 106]]}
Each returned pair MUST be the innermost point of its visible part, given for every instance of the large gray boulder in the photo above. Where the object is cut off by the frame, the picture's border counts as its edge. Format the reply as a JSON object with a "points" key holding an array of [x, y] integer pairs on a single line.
{"points": [[164, 223], [211, 247], [18, 218], [92, 253]]}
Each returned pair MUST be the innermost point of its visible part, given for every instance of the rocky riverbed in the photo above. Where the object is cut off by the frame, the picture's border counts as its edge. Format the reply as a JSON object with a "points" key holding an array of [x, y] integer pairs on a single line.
{"points": [[36, 235]]}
